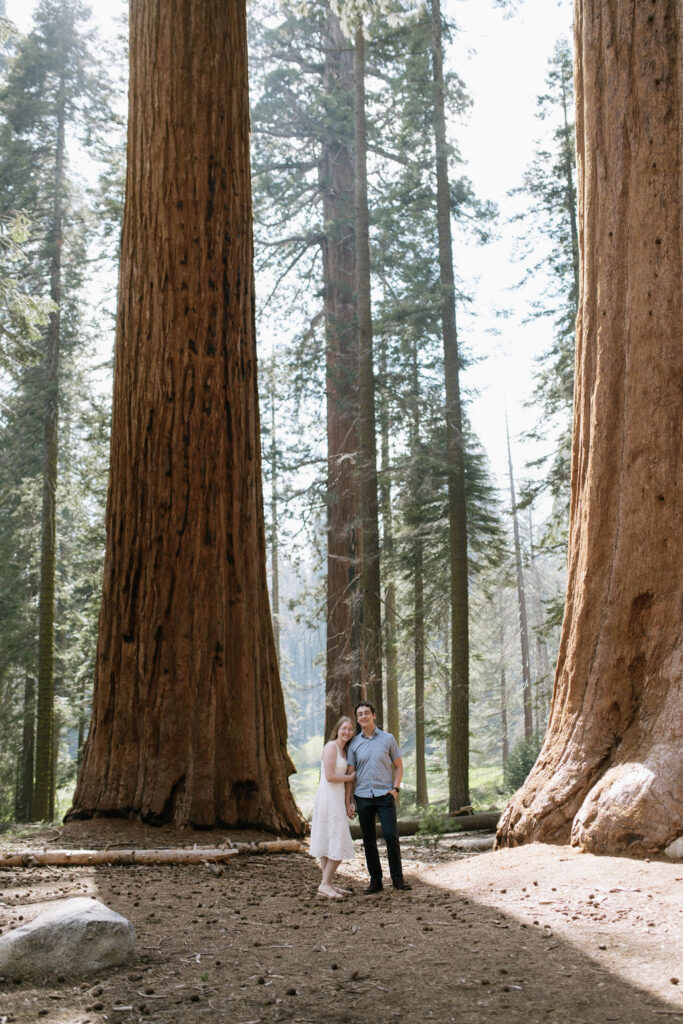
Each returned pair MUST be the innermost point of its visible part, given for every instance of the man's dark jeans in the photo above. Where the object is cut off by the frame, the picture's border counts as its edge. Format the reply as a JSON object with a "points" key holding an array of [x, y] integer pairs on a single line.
{"points": [[385, 807]]}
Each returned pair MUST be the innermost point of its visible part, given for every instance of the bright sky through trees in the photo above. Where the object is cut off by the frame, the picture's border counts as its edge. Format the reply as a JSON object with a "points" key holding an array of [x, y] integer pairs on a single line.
{"points": [[503, 60]]}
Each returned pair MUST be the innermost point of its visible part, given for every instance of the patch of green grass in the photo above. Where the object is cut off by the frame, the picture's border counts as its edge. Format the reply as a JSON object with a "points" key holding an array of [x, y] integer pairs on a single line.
{"points": [[309, 753], [304, 785], [485, 783]]}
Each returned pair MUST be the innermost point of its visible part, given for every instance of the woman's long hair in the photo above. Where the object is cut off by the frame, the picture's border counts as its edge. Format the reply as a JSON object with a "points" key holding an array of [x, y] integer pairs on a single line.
{"points": [[335, 729]]}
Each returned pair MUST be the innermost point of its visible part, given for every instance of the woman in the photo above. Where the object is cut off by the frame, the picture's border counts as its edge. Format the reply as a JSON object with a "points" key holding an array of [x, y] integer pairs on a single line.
{"points": [[330, 835]]}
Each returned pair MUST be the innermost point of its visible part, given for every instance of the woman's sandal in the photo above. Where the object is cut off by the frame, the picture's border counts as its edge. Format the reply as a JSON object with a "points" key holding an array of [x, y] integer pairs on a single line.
{"points": [[330, 895]]}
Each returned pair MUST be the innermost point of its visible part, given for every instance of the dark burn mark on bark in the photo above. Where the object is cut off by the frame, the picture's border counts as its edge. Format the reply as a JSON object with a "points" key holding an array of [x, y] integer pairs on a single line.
{"points": [[637, 671], [244, 789], [641, 607], [167, 813]]}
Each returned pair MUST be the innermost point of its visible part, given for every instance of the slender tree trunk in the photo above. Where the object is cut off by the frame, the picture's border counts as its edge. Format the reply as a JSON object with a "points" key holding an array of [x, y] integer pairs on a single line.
{"points": [[370, 567], [81, 739], [521, 603], [390, 626], [24, 801], [417, 472], [610, 773], [542, 660], [422, 796], [54, 760], [43, 796], [274, 550], [503, 689], [570, 189], [336, 179], [459, 755], [188, 721], [504, 716]]}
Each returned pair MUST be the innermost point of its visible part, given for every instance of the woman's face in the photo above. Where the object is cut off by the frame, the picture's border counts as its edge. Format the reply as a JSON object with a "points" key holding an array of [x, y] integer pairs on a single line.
{"points": [[345, 732]]}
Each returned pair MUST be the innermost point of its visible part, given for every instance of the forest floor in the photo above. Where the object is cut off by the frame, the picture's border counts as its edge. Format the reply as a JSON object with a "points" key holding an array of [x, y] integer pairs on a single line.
{"points": [[530, 935]]}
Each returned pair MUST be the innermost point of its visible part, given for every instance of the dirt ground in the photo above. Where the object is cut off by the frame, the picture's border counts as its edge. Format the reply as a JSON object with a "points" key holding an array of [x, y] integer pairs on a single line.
{"points": [[529, 935]]}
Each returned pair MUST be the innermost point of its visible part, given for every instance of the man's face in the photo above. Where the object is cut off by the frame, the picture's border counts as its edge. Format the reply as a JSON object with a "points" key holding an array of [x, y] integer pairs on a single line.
{"points": [[366, 719]]}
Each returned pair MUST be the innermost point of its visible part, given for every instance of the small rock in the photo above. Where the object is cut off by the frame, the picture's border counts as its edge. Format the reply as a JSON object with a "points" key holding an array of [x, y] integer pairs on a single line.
{"points": [[675, 850], [674, 981], [75, 936]]}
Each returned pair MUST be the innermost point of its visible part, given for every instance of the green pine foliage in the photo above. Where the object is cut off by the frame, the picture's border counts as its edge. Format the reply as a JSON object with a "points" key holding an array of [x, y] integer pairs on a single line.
{"points": [[292, 115], [52, 76], [522, 759], [549, 247]]}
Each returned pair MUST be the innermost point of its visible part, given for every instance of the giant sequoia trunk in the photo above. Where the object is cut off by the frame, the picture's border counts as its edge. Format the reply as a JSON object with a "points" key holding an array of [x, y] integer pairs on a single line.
{"points": [[188, 719], [336, 178], [610, 774]]}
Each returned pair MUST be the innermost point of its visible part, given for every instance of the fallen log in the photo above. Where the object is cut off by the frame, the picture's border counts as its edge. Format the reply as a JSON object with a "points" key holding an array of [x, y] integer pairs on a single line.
{"points": [[275, 846], [195, 855], [31, 858], [456, 822]]}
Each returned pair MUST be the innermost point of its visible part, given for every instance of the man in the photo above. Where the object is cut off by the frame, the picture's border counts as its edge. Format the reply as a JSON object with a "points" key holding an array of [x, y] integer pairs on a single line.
{"points": [[376, 757]]}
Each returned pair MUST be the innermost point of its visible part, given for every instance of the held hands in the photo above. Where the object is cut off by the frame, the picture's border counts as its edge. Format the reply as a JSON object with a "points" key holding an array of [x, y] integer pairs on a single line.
{"points": [[351, 810]]}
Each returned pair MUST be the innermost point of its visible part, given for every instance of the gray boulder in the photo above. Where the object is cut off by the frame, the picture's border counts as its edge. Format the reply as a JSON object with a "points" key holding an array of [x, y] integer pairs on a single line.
{"points": [[75, 937], [675, 849]]}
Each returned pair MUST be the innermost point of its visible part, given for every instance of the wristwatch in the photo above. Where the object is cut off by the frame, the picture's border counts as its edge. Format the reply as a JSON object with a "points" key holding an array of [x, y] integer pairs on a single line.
{"points": [[396, 788]]}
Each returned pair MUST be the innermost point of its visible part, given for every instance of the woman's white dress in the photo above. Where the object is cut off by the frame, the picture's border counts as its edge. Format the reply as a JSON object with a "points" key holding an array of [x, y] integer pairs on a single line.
{"points": [[330, 834]]}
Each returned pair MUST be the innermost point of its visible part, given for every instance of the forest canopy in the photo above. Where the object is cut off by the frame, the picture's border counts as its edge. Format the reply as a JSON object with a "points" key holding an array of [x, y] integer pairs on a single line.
{"points": [[369, 533]]}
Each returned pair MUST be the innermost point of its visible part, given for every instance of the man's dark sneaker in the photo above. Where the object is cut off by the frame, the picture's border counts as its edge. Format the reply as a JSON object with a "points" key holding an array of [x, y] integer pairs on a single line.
{"points": [[402, 885], [373, 887]]}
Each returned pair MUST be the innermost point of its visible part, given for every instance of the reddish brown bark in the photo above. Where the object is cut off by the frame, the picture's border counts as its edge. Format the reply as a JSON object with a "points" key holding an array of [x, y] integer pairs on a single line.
{"points": [[370, 584], [343, 682], [188, 718], [459, 733], [610, 774]]}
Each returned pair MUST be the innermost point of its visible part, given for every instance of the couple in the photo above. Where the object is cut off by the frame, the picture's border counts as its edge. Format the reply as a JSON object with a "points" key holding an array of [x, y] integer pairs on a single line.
{"points": [[369, 762]]}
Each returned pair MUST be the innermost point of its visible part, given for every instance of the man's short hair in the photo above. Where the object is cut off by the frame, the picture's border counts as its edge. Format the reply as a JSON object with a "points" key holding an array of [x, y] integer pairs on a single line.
{"points": [[364, 704]]}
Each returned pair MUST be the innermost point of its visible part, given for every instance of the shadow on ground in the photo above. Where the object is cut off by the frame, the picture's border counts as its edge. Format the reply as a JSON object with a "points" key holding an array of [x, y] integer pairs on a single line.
{"points": [[256, 944]]}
